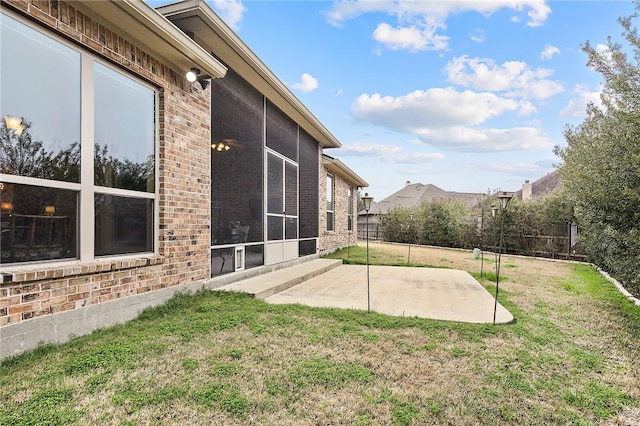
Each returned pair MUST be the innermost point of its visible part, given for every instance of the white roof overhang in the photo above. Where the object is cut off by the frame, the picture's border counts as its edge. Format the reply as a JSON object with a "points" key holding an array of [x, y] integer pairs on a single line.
{"points": [[158, 35], [337, 167], [197, 18]]}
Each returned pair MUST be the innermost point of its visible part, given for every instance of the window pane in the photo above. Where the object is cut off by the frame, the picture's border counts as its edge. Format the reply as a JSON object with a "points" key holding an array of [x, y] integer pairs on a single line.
{"points": [[274, 185], [37, 223], [124, 132], [330, 193], [291, 183], [39, 105], [274, 228], [291, 228], [329, 221], [123, 225]]}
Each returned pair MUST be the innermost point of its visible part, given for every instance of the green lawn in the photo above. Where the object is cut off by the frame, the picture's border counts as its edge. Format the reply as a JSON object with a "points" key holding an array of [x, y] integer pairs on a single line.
{"points": [[572, 357]]}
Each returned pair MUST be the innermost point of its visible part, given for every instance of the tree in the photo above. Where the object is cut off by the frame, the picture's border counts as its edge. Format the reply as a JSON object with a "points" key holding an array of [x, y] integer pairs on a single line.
{"points": [[20, 154], [601, 170]]}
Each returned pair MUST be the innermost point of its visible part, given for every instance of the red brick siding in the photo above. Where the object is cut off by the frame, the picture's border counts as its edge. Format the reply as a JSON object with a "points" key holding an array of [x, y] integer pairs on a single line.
{"points": [[183, 198]]}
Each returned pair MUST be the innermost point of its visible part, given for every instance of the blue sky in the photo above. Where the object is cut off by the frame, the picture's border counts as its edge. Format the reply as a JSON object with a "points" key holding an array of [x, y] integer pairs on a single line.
{"points": [[466, 95]]}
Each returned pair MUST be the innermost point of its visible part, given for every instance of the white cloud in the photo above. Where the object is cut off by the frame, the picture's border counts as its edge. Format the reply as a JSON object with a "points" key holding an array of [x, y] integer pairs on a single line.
{"points": [[467, 139], [230, 11], [419, 22], [549, 51], [339, 92], [515, 78], [307, 84], [388, 153], [447, 118], [537, 10], [434, 108], [577, 106], [477, 35], [411, 38]]}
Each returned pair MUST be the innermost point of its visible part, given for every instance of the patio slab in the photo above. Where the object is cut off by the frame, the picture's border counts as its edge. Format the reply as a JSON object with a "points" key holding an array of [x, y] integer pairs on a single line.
{"points": [[444, 294]]}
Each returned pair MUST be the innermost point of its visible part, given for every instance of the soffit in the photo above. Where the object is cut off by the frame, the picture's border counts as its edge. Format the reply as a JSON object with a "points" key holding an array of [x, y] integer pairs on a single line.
{"points": [[197, 18], [158, 35]]}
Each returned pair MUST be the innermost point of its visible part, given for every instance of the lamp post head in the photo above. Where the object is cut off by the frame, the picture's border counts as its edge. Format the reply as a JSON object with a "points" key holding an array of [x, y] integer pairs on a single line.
{"points": [[504, 198], [367, 201], [494, 209]]}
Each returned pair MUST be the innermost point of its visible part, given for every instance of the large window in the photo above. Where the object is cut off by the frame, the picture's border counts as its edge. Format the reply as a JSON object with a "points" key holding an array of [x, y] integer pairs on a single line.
{"points": [[77, 152]]}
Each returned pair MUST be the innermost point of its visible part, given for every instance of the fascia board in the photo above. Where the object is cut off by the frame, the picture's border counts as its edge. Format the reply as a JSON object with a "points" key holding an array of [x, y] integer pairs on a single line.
{"points": [[238, 56], [146, 25], [337, 167]]}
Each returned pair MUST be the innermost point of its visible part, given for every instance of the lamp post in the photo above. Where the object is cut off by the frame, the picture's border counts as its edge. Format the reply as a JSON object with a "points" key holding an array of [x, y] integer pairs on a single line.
{"points": [[367, 205], [481, 221], [494, 210], [504, 198], [409, 239]]}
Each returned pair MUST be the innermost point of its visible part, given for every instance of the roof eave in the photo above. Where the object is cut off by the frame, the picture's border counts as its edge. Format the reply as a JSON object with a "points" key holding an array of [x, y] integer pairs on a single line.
{"points": [[246, 63], [146, 25], [339, 168]]}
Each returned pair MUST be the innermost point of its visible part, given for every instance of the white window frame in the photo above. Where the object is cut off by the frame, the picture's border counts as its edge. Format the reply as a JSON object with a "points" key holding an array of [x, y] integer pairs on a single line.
{"points": [[86, 188]]}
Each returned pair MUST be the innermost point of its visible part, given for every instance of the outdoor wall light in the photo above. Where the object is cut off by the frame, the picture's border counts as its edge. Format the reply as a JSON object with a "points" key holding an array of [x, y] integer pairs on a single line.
{"points": [[204, 83], [192, 75]]}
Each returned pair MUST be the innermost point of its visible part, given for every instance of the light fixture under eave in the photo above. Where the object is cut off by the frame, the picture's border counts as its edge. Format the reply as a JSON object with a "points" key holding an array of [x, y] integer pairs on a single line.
{"points": [[204, 83], [192, 75]]}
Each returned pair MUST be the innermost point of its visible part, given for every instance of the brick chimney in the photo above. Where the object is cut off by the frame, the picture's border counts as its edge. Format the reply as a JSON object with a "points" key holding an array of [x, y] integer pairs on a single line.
{"points": [[526, 190]]}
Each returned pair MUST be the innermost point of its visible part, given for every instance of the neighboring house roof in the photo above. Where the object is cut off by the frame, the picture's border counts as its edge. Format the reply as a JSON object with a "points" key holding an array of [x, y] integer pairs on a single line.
{"points": [[197, 18], [338, 168], [413, 195], [541, 187], [147, 26]]}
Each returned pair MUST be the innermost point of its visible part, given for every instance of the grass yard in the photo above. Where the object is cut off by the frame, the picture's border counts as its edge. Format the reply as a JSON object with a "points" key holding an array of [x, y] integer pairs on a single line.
{"points": [[215, 358]]}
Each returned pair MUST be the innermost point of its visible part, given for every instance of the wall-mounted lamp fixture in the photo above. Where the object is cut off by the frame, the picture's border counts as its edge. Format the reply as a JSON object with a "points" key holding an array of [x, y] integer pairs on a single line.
{"points": [[15, 124], [204, 83], [193, 75]]}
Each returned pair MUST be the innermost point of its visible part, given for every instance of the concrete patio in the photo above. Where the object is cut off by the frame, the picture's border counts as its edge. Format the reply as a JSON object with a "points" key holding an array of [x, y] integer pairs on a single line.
{"points": [[444, 294]]}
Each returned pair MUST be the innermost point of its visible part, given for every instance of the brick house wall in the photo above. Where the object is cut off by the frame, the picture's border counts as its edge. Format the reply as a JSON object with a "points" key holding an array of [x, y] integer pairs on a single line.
{"points": [[183, 256], [340, 236]]}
